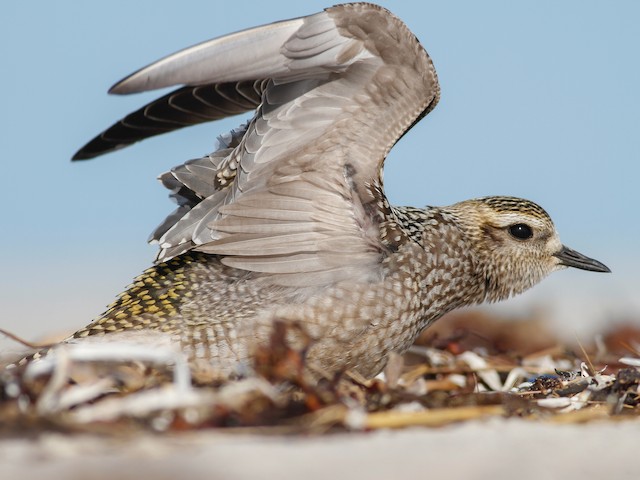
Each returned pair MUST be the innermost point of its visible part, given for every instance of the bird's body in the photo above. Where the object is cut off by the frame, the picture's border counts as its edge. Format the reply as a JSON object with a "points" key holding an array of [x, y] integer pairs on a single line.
{"points": [[219, 315], [287, 220]]}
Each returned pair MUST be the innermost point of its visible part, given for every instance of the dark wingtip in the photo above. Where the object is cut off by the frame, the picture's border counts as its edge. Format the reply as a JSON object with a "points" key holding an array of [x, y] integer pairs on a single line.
{"points": [[96, 147], [82, 155], [178, 109]]}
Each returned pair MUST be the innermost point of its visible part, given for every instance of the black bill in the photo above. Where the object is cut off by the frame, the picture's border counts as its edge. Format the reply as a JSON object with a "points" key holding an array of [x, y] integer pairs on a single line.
{"points": [[571, 258]]}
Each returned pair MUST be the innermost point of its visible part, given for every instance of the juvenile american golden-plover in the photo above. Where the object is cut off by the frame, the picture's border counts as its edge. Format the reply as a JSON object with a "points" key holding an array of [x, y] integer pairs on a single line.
{"points": [[287, 219]]}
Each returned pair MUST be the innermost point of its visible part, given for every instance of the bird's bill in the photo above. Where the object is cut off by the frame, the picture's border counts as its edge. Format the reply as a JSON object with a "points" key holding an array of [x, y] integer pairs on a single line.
{"points": [[571, 258]]}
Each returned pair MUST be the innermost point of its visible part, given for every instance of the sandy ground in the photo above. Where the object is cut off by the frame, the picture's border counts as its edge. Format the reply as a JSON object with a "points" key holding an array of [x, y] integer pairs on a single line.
{"points": [[492, 450]]}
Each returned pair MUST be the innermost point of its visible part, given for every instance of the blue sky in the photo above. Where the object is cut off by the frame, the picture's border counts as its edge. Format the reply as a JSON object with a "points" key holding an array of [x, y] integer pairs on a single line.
{"points": [[539, 100]]}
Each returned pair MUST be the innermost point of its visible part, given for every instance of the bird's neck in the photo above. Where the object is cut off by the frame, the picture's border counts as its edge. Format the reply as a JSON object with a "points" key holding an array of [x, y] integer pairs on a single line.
{"points": [[454, 276]]}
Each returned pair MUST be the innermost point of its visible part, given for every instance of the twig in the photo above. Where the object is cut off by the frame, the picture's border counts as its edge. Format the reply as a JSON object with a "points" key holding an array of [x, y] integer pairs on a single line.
{"points": [[24, 342], [429, 418]]}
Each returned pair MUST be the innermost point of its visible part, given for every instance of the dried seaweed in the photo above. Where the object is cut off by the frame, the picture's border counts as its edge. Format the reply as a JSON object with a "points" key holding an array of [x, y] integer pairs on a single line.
{"points": [[452, 376]]}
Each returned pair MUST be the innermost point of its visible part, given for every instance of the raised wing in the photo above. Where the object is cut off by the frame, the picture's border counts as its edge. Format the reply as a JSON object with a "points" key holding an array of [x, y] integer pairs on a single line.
{"points": [[295, 194]]}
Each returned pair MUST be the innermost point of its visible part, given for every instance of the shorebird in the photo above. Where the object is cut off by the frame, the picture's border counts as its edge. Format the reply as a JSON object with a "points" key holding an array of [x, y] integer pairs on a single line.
{"points": [[287, 219]]}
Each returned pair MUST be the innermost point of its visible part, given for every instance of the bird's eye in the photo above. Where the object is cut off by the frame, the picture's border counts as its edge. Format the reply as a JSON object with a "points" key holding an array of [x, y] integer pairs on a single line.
{"points": [[521, 231]]}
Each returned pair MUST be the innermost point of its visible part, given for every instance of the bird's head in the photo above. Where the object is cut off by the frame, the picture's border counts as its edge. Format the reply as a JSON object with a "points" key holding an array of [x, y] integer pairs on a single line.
{"points": [[515, 243]]}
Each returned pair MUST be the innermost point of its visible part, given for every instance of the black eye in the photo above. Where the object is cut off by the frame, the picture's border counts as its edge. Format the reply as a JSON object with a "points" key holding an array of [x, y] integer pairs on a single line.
{"points": [[521, 231]]}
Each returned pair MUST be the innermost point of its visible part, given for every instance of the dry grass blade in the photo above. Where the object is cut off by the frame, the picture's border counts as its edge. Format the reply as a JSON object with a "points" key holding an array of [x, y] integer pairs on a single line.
{"points": [[23, 342], [430, 418]]}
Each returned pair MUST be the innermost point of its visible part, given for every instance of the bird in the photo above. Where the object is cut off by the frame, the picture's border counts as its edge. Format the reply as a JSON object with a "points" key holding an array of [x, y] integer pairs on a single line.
{"points": [[287, 220]]}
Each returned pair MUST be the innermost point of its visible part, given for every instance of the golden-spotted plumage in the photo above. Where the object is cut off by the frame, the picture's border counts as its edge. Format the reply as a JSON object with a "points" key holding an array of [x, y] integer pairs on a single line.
{"points": [[151, 300]]}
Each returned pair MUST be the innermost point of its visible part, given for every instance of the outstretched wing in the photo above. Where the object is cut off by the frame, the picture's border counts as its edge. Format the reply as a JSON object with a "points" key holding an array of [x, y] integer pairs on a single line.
{"points": [[294, 193]]}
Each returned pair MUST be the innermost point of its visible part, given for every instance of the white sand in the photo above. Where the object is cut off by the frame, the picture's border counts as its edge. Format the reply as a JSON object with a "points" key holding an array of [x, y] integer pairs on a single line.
{"points": [[493, 450]]}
